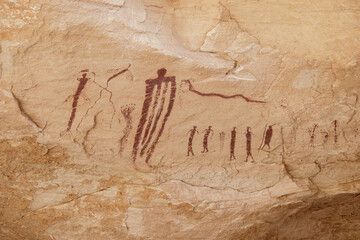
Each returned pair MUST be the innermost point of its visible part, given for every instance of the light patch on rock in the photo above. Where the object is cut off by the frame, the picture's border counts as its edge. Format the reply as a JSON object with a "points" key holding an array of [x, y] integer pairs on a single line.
{"points": [[266, 49], [118, 3], [2, 103], [243, 75], [43, 198], [220, 37], [134, 221], [244, 42], [305, 79], [80, 226], [110, 193], [285, 187]]}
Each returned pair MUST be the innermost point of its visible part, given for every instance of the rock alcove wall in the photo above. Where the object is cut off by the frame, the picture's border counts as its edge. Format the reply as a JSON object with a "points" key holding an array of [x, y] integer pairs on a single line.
{"points": [[179, 119]]}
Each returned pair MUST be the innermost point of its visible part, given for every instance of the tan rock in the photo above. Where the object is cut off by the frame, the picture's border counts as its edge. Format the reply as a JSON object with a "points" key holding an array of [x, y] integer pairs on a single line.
{"points": [[99, 100]]}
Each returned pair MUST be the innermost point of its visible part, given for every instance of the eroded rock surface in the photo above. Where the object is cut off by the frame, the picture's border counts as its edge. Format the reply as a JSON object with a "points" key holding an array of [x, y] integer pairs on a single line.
{"points": [[144, 119]]}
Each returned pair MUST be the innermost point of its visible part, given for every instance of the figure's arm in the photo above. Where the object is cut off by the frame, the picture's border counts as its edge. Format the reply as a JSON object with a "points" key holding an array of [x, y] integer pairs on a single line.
{"points": [[68, 98], [197, 131]]}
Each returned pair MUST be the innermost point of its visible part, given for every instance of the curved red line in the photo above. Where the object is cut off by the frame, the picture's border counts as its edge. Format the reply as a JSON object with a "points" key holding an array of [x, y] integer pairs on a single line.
{"points": [[192, 89], [117, 74]]}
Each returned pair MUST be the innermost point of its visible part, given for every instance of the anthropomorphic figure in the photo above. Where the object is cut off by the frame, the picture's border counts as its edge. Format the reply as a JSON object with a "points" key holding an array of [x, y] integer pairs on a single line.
{"points": [[356, 132], [82, 82], [158, 104], [232, 144], [248, 144], [126, 112], [325, 137], [206, 137], [312, 134], [191, 137], [222, 140], [336, 124], [268, 136]]}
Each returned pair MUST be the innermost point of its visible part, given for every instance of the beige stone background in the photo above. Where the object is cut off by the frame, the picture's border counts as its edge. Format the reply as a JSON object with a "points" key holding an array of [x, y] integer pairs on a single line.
{"points": [[300, 57]]}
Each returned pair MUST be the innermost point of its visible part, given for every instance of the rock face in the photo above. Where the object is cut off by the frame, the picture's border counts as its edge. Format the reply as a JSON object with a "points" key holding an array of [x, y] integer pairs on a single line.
{"points": [[179, 119]]}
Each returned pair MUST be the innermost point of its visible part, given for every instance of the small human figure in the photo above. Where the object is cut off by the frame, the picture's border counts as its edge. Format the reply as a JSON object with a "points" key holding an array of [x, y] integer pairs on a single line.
{"points": [[248, 144], [312, 134], [222, 139], [191, 137], [268, 136], [356, 132], [326, 136], [206, 136], [82, 82], [336, 124], [126, 112], [232, 144]]}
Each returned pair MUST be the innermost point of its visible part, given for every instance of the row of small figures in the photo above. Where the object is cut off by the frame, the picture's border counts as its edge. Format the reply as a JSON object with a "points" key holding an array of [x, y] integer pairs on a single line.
{"points": [[208, 131]]}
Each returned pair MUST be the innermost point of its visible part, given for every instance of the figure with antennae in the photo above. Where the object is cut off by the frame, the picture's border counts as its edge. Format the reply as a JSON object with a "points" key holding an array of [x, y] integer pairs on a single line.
{"points": [[248, 144], [191, 138], [206, 137]]}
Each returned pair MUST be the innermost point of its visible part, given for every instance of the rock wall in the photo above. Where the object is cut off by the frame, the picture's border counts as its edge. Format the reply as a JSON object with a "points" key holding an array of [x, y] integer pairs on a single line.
{"points": [[179, 119]]}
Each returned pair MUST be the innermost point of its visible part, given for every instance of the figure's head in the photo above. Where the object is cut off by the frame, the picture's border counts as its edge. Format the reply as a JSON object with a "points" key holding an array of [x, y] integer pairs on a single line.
{"points": [[161, 72], [270, 127], [84, 75], [210, 127], [234, 129], [194, 127], [248, 129]]}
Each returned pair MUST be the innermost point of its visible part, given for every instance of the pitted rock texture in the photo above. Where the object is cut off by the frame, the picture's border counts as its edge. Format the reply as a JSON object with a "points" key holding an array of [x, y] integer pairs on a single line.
{"points": [[181, 119]]}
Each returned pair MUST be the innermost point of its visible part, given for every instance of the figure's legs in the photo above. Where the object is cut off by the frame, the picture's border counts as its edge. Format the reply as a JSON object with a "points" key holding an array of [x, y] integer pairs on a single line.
{"points": [[268, 145], [252, 157], [192, 152]]}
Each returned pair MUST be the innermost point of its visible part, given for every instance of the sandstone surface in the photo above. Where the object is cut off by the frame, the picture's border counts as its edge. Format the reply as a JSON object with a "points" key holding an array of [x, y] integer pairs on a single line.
{"points": [[99, 99]]}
